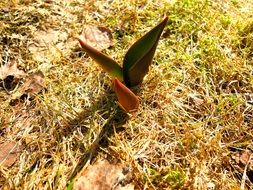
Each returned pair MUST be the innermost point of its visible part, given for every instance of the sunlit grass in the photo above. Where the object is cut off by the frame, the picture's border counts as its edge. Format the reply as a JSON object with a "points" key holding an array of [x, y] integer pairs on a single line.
{"points": [[196, 101]]}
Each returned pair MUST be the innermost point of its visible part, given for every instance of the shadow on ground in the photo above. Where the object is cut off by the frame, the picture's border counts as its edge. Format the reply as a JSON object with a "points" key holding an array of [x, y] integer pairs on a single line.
{"points": [[115, 121]]}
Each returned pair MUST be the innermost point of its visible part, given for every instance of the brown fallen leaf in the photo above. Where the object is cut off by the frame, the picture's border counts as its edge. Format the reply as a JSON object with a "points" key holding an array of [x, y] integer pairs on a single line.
{"points": [[196, 99], [48, 45], [104, 176], [11, 69], [243, 157], [243, 165], [10, 75], [9, 152], [98, 37], [34, 83], [45, 38]]}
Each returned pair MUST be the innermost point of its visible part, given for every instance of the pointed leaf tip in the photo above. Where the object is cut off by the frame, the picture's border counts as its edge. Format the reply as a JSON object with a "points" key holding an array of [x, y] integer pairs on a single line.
{"points": [[107, 63], [127, 99], [140, 55]]}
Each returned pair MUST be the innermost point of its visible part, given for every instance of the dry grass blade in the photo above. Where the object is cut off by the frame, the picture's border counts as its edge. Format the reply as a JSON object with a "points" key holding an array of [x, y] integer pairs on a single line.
{"points": [[196, 101]]}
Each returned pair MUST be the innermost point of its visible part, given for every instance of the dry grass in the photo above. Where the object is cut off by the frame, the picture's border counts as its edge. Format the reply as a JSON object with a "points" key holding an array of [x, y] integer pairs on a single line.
{"points": [[196, 102]]}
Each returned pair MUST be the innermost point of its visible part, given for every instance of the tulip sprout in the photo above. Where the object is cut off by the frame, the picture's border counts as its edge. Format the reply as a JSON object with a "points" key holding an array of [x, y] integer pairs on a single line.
{"points": [[135, 65]]}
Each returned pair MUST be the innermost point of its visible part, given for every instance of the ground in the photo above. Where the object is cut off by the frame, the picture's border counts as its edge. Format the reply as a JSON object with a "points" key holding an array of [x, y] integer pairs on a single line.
{"points": [[193, 129]]}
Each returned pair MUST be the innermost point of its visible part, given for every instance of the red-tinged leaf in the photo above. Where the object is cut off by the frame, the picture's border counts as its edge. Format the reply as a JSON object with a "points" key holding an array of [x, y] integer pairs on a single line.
{"points": [[9, 153], [127, 99], [108, 64], [140, 55]]}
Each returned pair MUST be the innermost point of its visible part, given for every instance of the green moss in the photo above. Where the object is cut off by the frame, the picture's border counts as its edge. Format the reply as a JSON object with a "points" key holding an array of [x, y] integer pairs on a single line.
{"points": [[175, 178]]}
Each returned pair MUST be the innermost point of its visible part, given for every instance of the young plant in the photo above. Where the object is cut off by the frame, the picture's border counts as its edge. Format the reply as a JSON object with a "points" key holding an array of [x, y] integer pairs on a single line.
{"points": [[135, 65]]}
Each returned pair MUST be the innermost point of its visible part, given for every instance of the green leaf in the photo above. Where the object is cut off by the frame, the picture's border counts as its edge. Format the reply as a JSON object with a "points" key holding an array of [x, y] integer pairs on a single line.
{"points": [[140, 55], [128, 101], [70, 185], [107, 63]]}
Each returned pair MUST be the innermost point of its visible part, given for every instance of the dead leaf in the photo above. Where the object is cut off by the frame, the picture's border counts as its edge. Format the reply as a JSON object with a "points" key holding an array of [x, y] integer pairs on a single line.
{"points": [[104, 176], [98, 37], [10, 75], [244, 160], [45, 38], [11, 69], [243, 157], [9, 152], [197, 100], [48, 45], [34, 83]]}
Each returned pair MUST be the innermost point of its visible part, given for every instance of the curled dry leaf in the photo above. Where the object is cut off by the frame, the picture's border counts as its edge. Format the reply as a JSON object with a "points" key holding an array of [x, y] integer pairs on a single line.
{"points": [[106, 176], [244, 160], [11, 69], [10, 75], [45, 38], [243, 157], [34, 83], [98, 37], [195, 99], [48, 45], [9, 152]]}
